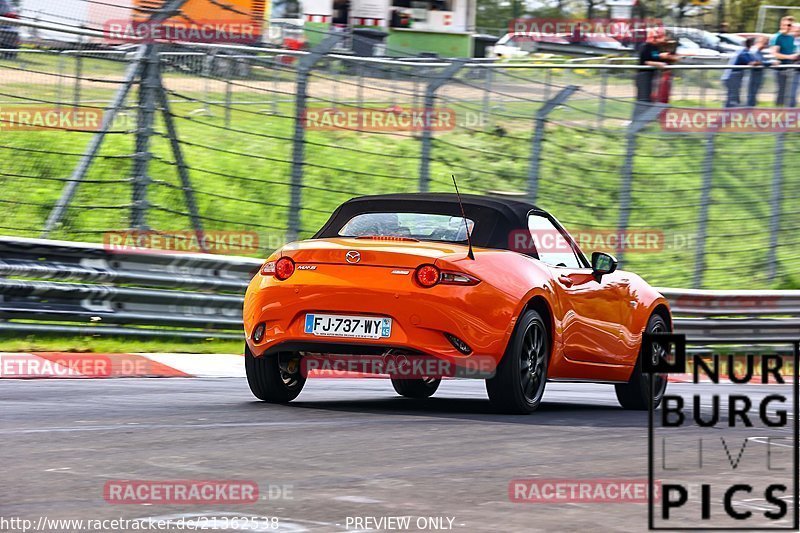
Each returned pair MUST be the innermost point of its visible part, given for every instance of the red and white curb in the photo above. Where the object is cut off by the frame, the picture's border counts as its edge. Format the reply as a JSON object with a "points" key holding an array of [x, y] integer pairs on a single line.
{"points": [[44, 365], [41, 365]]}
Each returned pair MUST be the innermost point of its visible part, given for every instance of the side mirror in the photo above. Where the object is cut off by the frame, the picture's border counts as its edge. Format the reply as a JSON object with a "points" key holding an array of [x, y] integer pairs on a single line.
{"points": [[603, 263]]}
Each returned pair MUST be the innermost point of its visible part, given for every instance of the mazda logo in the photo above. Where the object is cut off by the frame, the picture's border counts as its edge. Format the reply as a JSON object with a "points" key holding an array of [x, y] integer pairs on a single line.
{"points": [[352, 257]]}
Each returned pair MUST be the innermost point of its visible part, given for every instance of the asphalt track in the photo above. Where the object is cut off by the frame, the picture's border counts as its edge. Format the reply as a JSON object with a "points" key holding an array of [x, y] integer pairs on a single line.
{"points": [[345, 448]]}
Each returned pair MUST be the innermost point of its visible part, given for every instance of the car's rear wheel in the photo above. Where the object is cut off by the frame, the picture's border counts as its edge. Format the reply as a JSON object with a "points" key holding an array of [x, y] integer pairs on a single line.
{"points": [[275, 378], [416, 388], [518, 385], [635, 393]]}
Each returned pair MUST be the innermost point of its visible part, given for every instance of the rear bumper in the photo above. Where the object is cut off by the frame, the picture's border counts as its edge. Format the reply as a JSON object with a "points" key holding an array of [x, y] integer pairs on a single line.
{"points": [[480, 315]]}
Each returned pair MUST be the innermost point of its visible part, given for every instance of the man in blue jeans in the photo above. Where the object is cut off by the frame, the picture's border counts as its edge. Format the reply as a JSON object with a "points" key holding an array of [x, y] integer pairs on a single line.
{"points": [[783, 48], [757, 74], [732, 77]]}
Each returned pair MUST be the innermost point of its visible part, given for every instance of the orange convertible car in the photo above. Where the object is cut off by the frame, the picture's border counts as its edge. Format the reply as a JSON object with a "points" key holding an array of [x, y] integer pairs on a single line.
{"points": [[424, 275]]}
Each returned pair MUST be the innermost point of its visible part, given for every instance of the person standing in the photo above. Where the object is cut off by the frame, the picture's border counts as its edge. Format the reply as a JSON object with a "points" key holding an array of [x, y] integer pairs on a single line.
{"points": [[652, 55], [783, 48], [732, 77], [793, 74], [757, 74]]}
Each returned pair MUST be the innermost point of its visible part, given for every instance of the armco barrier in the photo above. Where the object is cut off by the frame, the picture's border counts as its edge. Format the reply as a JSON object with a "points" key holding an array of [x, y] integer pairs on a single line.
{"points": [[76, 288], [87, 289]]}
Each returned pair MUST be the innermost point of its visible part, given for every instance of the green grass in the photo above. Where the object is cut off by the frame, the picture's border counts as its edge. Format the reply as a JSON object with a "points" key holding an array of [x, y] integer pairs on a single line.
{"points": [[242, 175], [79, 344]]}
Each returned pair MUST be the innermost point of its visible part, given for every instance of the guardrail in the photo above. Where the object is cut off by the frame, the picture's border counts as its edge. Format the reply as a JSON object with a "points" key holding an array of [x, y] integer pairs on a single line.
{"points": [[63, 287], [74, 288]]}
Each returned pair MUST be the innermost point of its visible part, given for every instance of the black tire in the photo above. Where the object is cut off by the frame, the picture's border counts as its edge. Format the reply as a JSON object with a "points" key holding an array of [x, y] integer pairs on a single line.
{"points": [[275, 378], [518, 384], [635, 393], [416, 388]]}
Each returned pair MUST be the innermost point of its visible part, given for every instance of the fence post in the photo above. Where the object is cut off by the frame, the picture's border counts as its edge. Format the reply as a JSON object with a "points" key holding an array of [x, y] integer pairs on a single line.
{"points": [[229, 93], [144, 130], [137, 68], [601, 110], [304, 66], [94, 146], [642, 115], [705, 206], [775, 208], [548, 75], [76, 91], [180, 162], [60, 83], [540, 122], [487, 112], [427, 135]]}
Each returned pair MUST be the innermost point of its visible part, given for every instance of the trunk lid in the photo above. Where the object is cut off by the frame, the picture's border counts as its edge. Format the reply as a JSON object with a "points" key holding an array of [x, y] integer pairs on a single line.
{"points": [[370, 251]]}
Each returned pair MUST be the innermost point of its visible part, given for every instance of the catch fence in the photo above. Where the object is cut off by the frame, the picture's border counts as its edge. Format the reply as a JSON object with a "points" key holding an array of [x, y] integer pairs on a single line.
{"points": [[253, 139]]}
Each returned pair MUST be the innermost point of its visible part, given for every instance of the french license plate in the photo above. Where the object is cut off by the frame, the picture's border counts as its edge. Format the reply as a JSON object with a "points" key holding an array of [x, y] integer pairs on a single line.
{"points": [[357, 327]]}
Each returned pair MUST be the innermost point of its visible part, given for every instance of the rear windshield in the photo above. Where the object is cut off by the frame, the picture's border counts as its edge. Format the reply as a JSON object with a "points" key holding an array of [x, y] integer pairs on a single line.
{"points": [[420, 226]]}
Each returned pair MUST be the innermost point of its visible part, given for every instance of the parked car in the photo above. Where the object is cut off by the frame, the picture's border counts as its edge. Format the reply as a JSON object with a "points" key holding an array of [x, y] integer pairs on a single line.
{"points": [[471, 282], [734, 39], [517, 45], [688, 47], [9, 34], [597, 40], [704, 39]]}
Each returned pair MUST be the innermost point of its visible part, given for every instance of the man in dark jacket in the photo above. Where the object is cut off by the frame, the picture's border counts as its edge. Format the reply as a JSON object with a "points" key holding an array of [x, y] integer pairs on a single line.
{"points": [[732, 77]]}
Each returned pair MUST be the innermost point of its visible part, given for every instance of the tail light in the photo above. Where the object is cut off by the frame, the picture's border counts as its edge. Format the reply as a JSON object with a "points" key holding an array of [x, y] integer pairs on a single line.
{"points": [[11, 15], [282, 269], [457, 278], [429, 275], [268, 269]]}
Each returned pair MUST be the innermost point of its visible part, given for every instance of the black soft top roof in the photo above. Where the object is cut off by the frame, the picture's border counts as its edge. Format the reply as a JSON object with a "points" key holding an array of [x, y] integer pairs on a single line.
{"points": [[495, 218]]}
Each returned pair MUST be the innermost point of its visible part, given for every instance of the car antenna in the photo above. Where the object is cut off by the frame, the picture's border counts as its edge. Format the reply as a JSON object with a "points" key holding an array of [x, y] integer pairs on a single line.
{"points": [[470, 253]]}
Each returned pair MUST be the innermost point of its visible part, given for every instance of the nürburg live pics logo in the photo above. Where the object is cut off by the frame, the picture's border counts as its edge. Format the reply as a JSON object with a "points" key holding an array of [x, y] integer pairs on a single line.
{"points": [[723, 447]]}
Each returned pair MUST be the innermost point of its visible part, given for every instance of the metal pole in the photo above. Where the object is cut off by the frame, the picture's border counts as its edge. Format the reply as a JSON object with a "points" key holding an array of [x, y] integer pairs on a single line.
{"points": [[228, 95], [144, 130], [60, 83], [76, 91], [775, 209], [548, 74], [94, 146], [133, 72], [540, 123], [705, 207], [601, 111], [304, 66], [643, 114], [427, 134], [489, 74], [180, 162]]}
